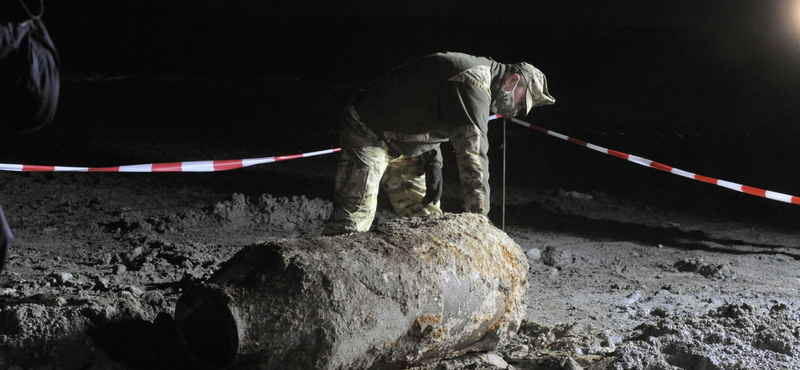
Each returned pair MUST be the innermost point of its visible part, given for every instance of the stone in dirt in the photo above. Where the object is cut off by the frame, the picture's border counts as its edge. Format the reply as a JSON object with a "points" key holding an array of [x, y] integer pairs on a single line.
{"points": [[494, 360], [62, 277], [534, 254], [557, 257], [410, 292]]}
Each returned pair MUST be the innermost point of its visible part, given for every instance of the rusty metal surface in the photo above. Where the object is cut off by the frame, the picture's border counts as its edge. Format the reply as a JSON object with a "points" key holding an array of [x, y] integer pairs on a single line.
{"points": [[412, 291]]}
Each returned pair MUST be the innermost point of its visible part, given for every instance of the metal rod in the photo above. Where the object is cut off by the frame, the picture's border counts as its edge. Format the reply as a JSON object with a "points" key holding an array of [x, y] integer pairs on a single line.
{"points": [[503, 222]]}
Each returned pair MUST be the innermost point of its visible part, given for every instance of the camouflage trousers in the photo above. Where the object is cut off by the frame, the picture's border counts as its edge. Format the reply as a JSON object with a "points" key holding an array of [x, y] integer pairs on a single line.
{"points": [[365, 166]]}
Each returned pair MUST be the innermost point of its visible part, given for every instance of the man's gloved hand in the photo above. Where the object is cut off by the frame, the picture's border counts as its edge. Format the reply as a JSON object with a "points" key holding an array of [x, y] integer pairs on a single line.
{"points": [[5, 239], [433, 183]]}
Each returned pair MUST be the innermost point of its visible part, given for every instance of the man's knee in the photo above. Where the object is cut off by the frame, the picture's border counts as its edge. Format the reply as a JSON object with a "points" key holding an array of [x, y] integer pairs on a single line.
{"points": [[356, 197]]}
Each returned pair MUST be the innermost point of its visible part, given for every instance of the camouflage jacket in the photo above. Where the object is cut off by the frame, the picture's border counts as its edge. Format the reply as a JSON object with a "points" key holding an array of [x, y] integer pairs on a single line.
{"points": [[437, 98]]}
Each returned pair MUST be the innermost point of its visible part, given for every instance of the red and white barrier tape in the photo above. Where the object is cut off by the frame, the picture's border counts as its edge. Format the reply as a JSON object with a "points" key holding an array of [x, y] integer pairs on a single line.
{"points": [[660, 166], [225, 165], [194, 166]]}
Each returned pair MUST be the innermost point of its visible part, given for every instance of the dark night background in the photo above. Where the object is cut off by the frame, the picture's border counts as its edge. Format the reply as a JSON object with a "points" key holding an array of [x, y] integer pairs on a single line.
{"points": [[708, 86], [681, 272]]}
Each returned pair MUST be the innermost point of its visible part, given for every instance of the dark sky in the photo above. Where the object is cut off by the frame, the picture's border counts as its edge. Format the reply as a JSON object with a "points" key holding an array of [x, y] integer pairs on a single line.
{"points": [[670, 43], [775, 24], [718, 15], [726, 67]]}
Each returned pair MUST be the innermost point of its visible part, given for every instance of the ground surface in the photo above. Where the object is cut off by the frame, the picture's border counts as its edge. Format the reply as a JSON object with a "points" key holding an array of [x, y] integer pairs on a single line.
{"points": [[630, 268]]}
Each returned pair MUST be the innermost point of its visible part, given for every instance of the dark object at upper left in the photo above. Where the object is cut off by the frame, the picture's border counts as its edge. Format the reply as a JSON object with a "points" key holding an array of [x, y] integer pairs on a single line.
{"points": [[29, 78]]}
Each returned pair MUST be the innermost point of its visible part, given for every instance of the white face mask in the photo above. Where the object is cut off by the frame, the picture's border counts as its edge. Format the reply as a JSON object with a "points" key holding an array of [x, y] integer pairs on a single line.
{"points": [[503, 104]]}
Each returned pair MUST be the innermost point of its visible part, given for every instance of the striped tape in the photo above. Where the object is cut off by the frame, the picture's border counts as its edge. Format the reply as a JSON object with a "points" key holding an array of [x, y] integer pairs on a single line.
{"points": [[786, 198], [232, 164], [193, 166]]}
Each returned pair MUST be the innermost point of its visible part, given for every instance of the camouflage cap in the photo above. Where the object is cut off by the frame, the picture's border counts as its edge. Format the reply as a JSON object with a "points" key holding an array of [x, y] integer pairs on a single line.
{"points": [[537, 87]]}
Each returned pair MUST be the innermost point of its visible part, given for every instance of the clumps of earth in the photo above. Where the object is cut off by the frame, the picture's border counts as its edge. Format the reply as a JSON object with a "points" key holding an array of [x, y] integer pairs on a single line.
{"points": [[97, 289], [55, 303], [702, 267], [732, 336], [736, 337]]}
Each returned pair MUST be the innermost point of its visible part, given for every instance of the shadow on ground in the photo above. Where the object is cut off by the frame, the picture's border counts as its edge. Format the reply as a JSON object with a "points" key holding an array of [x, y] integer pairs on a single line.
{"points": [[598, 229]]}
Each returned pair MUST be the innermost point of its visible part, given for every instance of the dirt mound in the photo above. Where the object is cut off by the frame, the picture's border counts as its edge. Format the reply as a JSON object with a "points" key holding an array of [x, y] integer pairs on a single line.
{"points": [[297, 213], [704, 268]]}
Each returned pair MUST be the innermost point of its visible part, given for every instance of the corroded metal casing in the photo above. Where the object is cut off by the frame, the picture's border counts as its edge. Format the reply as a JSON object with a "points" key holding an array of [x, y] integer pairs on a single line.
{"points": [[411, 291]]}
